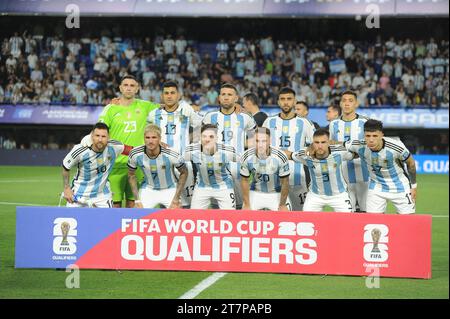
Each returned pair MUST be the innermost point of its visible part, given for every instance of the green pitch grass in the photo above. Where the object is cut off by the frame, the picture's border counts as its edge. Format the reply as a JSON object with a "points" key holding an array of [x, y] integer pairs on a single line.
{"points": [[41, 186]]}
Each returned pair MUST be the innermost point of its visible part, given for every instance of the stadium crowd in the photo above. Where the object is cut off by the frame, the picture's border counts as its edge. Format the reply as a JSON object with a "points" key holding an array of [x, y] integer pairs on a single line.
{"points": [[47, 69]]}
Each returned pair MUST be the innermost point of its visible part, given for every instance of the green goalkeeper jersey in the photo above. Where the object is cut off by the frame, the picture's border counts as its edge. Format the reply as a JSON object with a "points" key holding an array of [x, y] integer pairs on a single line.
{"points": [[126, 124]]}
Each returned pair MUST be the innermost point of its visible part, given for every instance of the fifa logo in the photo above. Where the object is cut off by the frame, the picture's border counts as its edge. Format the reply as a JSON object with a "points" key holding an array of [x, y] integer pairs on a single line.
{"points": [[376, 239], [64, 232]]}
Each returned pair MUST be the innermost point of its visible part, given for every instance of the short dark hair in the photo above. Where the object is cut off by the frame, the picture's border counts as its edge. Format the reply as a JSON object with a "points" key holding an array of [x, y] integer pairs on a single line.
{"points": [[252, 97], [373, 125], [170, 84], [229, 86], [321, 132], [286, 90], [304, 103], [208, 127], [337, 108], [349, 92], [128, 76], [101, 126]]}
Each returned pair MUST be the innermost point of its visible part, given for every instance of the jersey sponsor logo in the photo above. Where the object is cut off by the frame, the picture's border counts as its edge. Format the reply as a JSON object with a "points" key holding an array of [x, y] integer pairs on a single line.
{"points": [[376, 240], [65, 233]]}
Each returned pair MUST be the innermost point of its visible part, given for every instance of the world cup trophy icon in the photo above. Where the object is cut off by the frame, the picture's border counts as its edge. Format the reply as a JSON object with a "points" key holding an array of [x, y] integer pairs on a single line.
{"points": [[65, 227], [376, 233]]}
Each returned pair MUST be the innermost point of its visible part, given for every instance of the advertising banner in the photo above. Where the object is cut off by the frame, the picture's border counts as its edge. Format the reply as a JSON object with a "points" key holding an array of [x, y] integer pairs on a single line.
{"points": [[431, 164], [88, 115], [220, 240], [232, 8]]}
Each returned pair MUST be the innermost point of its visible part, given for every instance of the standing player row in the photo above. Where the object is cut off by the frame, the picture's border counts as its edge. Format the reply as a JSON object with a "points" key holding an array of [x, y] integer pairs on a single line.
{"points": [[289, 132]]}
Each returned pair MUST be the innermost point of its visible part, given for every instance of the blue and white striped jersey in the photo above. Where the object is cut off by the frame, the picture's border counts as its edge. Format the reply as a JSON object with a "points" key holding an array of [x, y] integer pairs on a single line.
{"points": [[387, 168], [212, 170], [326, 174], [175, 125], [91, 178], [266, 172], [232, 129], [291, 135], [355, 170], [158, 171]]}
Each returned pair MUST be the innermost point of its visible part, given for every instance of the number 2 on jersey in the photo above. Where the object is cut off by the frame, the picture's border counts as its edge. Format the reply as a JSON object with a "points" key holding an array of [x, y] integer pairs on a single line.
{"points": [[130, 126]]}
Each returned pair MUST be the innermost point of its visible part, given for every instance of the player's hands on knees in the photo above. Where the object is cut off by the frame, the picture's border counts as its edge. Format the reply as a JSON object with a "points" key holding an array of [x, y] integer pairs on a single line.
{"points": [[413, 194], [283, 208], [68, 194], [138, 204], [175, 204]]}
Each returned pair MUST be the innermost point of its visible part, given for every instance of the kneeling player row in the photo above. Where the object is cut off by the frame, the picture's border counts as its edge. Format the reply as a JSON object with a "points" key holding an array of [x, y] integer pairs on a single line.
{"points": [[215, 174]]}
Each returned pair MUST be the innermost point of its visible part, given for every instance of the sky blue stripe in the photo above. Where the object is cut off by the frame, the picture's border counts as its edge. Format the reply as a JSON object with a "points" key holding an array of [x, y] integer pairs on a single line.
{"points": [[86, 168], [263, 185], [314, 187], [225, 174], [326, 184], [361, 130], [334, 131], [212, 179], [158, 117], [169, 180], [298, 170], [272, 124], [156, 182], [184, 136], [380, 178], [299, 134], [140, 164], [213, 118], [351, 171], [241, 136], [340, 182], [168, 129], [393, 172]]}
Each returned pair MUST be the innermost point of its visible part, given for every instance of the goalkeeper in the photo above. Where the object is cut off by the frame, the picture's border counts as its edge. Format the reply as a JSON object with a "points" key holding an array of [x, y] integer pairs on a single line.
{"points": [[126, 118]]}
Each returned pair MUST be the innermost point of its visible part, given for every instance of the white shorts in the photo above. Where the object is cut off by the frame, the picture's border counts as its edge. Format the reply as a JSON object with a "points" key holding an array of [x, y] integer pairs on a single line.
{"points": [[101, 201], [270, 201], [188, 189], [358, 194], [297, 196], [203, 196], [151, 197], [316, 203], [377, 202]]}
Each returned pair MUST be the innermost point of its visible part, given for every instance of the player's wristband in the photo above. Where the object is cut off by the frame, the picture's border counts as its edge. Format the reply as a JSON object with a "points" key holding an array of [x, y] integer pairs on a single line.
{"points": [[414, 186]]}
